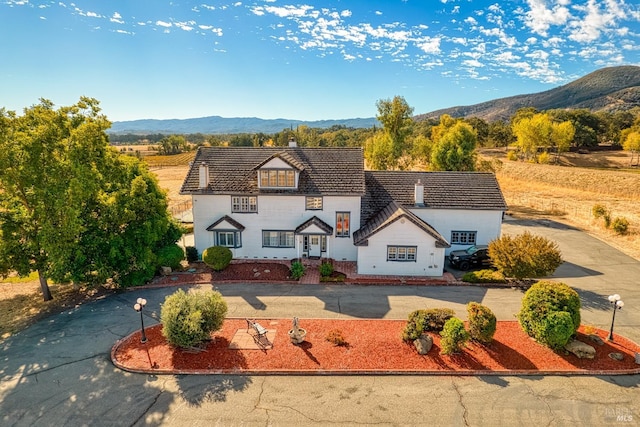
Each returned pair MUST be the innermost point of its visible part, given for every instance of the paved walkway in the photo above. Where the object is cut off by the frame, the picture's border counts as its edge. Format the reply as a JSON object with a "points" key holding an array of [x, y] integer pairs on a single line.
{"points": [[58, 371]]}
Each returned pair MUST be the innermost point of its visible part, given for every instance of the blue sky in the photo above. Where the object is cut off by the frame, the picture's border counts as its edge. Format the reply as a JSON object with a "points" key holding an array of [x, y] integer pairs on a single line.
{"points": [[309, 60]]}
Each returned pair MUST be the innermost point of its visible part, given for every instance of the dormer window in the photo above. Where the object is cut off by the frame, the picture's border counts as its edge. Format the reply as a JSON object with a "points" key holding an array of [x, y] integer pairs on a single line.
{"points": [[277, 178]]}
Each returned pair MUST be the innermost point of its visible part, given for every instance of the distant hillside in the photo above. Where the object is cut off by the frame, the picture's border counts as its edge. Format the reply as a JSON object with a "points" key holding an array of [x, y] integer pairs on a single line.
{"points": [[222, 125], [608, 89]]}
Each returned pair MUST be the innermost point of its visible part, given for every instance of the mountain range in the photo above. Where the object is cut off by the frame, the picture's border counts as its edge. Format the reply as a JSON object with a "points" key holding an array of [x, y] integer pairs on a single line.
{"points": [[608, 89]]}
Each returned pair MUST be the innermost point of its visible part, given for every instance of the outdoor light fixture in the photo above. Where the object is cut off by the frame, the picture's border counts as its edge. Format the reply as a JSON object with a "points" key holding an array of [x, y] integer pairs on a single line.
{"points": [[617, 305], [139, 305]]}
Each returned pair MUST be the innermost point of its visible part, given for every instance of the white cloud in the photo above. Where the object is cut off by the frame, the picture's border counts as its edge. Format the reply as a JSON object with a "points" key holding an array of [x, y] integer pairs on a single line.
{"points": [[163, 24], [430, 45], [345, 13], [599, 17], [540, 17], [117, 18]]}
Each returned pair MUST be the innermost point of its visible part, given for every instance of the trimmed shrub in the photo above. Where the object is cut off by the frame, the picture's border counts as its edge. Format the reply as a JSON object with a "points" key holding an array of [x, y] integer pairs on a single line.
{"points": [[336, 338], [454, 336], [484, 276], [188, 319], [512, 155], [297, 270], [170, 256], [544, 158], [482, 322], [325, 269], [557, 329], [192, 253], [419, 321], [620, 225], [539, 316], [217, 257], [525, 255]]}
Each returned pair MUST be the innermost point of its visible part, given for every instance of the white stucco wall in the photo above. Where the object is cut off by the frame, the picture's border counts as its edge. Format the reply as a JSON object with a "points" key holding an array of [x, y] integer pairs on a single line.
{"points": [[487, 224], [275, 212], [372, 259]]}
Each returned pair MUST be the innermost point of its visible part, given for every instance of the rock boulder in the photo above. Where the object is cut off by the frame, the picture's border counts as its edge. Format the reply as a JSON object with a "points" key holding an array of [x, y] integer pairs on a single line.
{"points": [[423, 344], [580, 349]]}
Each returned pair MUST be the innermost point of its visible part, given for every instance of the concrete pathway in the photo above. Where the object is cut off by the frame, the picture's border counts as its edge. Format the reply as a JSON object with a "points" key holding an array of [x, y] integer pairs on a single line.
{"points": [[58, 371]]}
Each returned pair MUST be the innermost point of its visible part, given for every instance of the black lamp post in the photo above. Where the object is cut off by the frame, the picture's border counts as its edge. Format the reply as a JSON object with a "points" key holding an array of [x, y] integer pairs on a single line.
{"points": [[140, 303], [617, 305]]}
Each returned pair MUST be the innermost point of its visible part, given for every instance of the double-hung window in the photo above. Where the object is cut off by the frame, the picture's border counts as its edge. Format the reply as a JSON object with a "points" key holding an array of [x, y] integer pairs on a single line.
{"points": [[240, 204], [402, 253], [342, 224], [463, 237], [278, 239]]}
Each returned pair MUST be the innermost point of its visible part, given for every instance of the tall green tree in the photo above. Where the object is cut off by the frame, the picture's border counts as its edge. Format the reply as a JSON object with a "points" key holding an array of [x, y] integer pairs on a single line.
{"points": [[66, 198], [456, 149], [396, 117], [173, 144]]}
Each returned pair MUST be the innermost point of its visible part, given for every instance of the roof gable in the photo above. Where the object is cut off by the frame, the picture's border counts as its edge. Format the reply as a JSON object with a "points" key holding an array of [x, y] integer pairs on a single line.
{"points": [[389, 215], [226, 223]]}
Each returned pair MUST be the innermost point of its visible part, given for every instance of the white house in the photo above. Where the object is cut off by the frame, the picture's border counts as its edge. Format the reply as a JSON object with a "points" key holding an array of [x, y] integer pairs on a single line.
{"points": [[293, 202]]}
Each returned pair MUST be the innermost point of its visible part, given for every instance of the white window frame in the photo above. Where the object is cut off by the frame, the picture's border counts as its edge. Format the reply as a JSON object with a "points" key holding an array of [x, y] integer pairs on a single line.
{"points": [[244, 204], [278, 239], [402, 253], [235, 236], [313, 203], [463, 237], [277, 178], [343, 224]]}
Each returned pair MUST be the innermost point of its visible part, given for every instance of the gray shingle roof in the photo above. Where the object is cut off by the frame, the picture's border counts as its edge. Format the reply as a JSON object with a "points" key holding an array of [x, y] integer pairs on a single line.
{"points": [[387, 216], [231, 222], [442, 190], [232, 170], [317, 222]]}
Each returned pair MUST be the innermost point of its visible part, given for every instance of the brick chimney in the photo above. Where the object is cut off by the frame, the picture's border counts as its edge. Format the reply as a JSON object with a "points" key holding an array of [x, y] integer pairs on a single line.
{"points": [[418, 193], [203, 175]]}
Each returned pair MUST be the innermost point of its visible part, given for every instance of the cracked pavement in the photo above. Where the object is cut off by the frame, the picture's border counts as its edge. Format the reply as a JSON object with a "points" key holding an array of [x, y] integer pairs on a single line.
{"points": [[58, 371]]}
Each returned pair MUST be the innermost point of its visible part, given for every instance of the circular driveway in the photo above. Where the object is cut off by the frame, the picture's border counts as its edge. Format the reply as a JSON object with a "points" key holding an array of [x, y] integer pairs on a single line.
{"points": [[58, 371]]}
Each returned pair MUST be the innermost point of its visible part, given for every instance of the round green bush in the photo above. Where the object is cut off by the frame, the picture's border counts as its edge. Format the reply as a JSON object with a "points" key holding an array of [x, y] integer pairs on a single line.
{"points": [[170, 256], [188, 319], [482, 322], [558, 329], [540, 302], [217, 257], [419, 321], [454, 336]]}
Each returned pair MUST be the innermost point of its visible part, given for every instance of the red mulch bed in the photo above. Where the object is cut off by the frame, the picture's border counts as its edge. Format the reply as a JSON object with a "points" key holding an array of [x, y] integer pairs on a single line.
{"points": [[373, 346], [235, 272]]}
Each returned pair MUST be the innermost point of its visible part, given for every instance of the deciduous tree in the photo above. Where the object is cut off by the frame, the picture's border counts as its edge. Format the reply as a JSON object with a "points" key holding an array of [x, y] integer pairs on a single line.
{"points": [[455, 150]]}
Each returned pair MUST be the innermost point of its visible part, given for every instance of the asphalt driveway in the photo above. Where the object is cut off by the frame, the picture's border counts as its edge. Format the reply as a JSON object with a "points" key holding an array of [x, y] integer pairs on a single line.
{"points": [[58, 372]]}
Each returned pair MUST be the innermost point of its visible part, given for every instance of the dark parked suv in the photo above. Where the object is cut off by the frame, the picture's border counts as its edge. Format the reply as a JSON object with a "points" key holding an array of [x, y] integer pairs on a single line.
{"points": [[474, 256]]}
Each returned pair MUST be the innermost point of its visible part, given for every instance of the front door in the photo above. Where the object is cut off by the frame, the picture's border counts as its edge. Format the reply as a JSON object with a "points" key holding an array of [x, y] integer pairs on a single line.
{"points": [[314, 246]]}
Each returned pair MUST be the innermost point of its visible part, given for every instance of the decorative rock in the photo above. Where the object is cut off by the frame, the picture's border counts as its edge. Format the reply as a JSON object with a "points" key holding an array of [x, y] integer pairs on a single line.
{"points": [[256, 274], [267, 271], [192, 270], [580, 349], [596, 339], [255, 270], [616, 356], [637, 358], [165, 271], [423, 344]]}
